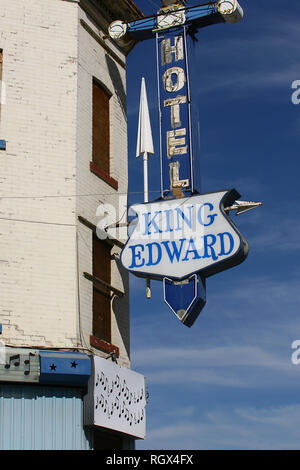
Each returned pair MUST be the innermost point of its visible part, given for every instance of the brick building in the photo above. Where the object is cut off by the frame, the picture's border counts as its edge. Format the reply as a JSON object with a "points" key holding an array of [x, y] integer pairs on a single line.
{"points": [[64, 157]]}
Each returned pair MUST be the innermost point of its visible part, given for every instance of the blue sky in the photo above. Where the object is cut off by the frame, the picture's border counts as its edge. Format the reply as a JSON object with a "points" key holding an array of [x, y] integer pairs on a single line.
{"points": [[228, 382]]}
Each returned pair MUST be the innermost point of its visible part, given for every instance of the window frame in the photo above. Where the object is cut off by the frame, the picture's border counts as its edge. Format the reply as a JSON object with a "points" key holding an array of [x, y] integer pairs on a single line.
{"points": [[101, 249], [95, 166]]}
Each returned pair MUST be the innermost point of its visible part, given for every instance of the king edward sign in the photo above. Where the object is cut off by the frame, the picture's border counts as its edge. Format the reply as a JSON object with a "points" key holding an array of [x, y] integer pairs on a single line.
{"points": [[179, 237], [186, 236]]}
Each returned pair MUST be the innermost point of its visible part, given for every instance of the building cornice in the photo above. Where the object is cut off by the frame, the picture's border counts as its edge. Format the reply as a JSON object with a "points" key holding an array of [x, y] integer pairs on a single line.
{"points": [[104, 12]]}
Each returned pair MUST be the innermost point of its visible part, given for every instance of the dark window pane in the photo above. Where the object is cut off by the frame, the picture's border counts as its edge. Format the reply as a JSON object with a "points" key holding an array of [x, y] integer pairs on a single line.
{"points": [[101, 133], [101, 296]]}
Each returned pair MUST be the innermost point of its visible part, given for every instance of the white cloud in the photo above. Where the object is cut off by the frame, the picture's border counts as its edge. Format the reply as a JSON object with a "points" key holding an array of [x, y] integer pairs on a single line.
{"points": [[217, 357], [230, 428], [281, 236], [286, 416], [235, 367]]}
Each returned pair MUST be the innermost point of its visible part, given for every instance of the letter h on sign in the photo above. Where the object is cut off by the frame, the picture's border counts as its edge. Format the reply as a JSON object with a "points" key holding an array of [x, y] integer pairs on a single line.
{"points": [[178, 144]]}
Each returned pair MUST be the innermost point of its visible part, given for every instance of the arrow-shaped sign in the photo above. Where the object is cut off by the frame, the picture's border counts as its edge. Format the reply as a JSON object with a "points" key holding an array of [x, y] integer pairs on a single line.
{"points": [[144, 145]]}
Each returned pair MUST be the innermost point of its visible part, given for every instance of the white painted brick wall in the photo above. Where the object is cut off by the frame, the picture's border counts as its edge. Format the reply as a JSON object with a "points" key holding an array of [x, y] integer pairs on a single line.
{"points": [[48, 64], [95, 62], [38, 275]]}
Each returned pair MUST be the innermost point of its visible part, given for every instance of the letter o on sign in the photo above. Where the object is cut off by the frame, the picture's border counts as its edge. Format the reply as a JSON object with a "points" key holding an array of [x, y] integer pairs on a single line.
{"points": [[170, 85]]}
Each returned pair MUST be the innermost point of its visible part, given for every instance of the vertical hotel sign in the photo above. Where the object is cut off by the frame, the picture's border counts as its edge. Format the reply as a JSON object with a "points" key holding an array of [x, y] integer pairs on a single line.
{"points": [[185, 236], [176, 150]]}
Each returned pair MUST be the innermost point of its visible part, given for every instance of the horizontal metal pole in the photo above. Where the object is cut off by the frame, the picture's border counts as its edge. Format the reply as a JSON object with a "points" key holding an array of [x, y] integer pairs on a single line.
{"points": [[95, 279]]}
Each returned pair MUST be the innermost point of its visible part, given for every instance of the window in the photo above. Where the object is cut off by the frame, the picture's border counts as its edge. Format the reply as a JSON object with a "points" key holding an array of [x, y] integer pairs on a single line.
{"points": [[101, 134], [100, 164], [2, 87], [101, 295], [103, 291]]}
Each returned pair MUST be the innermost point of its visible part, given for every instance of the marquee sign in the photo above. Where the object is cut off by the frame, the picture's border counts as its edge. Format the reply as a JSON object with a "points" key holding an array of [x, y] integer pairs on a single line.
{"points": [[179, 237], [185, 236]]}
